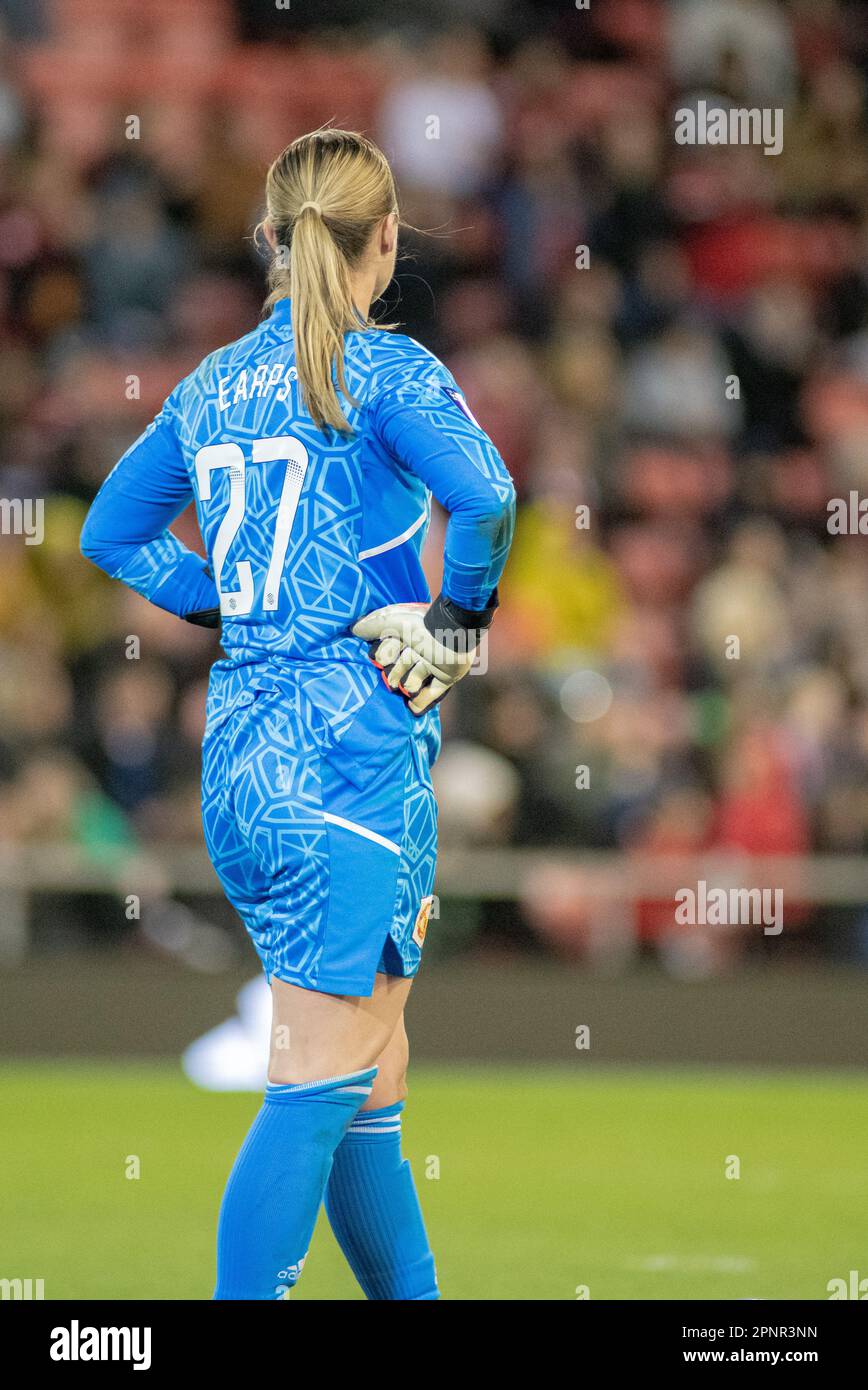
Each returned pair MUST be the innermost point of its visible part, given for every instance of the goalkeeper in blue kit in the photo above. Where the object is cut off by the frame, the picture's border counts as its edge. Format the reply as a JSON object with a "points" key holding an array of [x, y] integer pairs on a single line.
{"points": [[311, 448]]}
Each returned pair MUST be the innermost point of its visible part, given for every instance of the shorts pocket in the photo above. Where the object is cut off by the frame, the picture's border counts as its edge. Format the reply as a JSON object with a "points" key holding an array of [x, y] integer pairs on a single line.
{"points": [[375, 740]]}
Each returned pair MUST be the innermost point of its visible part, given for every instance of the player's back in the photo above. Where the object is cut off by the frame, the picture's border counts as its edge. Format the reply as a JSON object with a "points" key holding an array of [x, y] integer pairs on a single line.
{"points": [[305, 530]]}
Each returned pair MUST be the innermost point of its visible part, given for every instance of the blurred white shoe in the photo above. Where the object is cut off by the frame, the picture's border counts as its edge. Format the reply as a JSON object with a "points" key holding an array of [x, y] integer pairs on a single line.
{"points": [[234, 1055]]}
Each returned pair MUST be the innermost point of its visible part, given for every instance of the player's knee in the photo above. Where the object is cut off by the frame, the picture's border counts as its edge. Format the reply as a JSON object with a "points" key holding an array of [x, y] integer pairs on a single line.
{"points": [[393, 1086], [390, 1084]]}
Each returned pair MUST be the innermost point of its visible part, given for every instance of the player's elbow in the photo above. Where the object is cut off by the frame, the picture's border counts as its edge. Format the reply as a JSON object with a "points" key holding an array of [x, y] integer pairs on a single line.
{"points": [[92, 545], [88, 543], [494, 514], [508, 504]]}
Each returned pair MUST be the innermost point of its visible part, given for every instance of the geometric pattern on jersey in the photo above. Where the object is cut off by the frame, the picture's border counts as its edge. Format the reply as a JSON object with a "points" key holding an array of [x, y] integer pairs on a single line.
{"points": [[325, 852], [305, 530], [356, 500]]}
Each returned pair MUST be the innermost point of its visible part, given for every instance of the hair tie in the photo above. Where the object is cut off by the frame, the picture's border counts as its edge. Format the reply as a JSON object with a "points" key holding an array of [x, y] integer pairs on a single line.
{"points": [[316, 207]]}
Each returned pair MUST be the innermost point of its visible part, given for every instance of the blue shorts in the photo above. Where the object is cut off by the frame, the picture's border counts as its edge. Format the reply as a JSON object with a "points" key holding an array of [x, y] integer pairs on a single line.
{"points": [[326, 848]]}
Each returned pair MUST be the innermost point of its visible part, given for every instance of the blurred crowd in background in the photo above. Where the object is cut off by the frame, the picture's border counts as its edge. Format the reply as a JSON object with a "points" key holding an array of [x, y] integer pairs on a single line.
{"points": [[696, 379]]}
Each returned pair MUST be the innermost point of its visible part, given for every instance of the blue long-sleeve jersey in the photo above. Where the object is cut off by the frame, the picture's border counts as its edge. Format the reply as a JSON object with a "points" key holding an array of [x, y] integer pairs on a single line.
{"points": [[305, 531]]}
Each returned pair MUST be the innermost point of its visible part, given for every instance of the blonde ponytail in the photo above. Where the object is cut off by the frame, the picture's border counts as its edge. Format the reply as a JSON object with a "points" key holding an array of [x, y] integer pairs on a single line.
{"points": [[325, 194]]}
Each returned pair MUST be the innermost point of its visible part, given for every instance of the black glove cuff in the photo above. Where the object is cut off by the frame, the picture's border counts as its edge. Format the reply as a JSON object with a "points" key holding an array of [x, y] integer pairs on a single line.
{"points": [[205, 617], [457, 627]]}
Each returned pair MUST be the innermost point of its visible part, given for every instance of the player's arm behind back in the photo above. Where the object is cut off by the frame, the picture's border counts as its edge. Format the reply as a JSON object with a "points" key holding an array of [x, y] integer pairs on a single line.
{"points": [[427, 426], [126, 531]]}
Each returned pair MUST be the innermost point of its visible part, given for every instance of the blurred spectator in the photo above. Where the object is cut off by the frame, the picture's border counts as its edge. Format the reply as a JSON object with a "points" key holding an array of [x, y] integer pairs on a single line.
{"points": [[441, 124], [744, 45]]}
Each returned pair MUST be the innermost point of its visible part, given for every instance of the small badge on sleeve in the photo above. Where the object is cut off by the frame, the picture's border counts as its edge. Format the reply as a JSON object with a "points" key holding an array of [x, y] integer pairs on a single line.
{"points": [[457, 399], [422, 921]]}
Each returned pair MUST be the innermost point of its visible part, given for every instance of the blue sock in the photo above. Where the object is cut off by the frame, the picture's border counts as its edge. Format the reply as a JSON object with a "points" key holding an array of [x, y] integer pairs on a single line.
{"points": [[374, 1211], [276, 1186]]}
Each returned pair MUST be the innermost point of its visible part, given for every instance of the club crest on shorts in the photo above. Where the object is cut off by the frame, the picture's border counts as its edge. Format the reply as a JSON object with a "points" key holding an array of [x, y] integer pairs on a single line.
{"points": [[422, 916]]}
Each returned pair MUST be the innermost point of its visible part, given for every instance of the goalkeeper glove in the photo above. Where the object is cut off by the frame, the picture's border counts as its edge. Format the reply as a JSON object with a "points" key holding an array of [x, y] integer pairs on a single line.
{"points": [[423, 650], [206, 617]]}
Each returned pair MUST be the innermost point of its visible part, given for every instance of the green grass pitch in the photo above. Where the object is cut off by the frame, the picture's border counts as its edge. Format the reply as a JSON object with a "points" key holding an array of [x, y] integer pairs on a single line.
{"points": [[548, 1180]]}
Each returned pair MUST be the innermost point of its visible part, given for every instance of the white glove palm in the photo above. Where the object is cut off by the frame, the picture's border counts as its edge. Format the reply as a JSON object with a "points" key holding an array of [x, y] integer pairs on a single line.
{"points": [[413, 659]]}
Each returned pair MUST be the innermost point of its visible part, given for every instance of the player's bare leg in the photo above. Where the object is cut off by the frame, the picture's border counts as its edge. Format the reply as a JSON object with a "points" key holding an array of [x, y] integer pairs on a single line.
{"points": [[390, 1083], [316, 1035]]}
